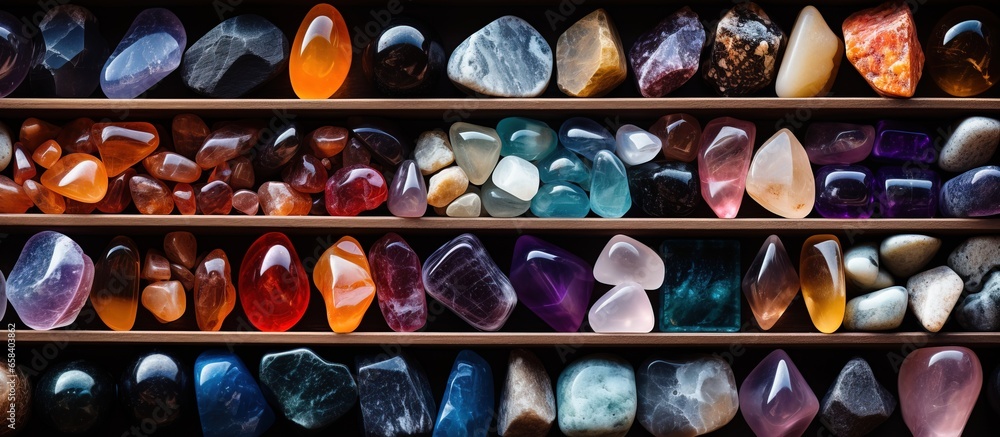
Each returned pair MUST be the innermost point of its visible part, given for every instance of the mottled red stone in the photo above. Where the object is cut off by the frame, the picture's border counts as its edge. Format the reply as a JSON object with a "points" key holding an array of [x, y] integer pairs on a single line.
{"points": [[399, 287], [150, 195], [306, 174], [882, 44], [215, 198], [355, 189], [184, 199], [214, 292], [327, 141], [273, 284]]}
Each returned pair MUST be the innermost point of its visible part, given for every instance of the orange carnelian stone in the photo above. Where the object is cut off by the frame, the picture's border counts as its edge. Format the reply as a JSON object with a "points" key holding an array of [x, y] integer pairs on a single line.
{"points": [[22, 165], [214, 292], [184, 199], [321, 54], [123, 145], [12, 197], [279, 198], [327, 141], [75, 136], [34, 132], [150, 196], [115, 294], [189, 133], [118, 197], [78, 176], [77, 207], [165, 299], [170, 166], [344, 279], [47, 154], [45, 199]]}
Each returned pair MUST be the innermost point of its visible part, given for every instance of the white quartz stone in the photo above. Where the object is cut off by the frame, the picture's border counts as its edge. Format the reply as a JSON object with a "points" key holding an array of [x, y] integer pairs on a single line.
{"points": [[466, 205], [812, 57], [904, 255], [876, 311], [517, 177], [933, 294], [635, 145], [971, 145], [624, 308], [433, 151]]}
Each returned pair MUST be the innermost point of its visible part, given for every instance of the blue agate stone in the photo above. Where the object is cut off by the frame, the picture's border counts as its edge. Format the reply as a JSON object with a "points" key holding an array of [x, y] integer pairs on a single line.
{"points": [[907, 192], [150, 50], [566, 166], [609, 191], [560, 200], [17, 53], [467, 405], [975, 193], [585, 137], [526, 138], [75, 51], [309, 391], [229, 401], [395, 397], [552, 282], [844, 191], [701, 289]]}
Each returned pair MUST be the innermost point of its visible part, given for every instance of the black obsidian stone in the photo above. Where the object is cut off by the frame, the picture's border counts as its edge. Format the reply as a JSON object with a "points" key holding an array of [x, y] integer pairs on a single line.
{"points": [[665, 189], [234, 58], [74, 397], [74, 54], [383, 138], [156, 388], [405, 59], [276, 147]]}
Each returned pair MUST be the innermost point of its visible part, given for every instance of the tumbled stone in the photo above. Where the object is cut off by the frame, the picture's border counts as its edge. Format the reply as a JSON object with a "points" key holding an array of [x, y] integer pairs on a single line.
{"points": [[527, 403], [933, 294], [780, 177], [170, 166], [938, 388], [981, 311], [744, 54], [46, 200], [560, 199], [770, 283], [903, 142], [226, 143], [960, 49], [123, 145], [150, 195], [19, 52], [274, 152], [119, 194], [433, 151], [812, 57], [477, 150], [215, 198], [321, 53], [906, 254], [877, 311], [79, 177], [667, 56], [74, 397], [247, 202], [824, 287], [723, 162], [355, 189], [844, 191], [6, 146], [184, 199], [214, 292], [166, 300], [13, 199], [77, 207], [24, 167], [181, 247], [635, 146], [501, 204], [229, 400], [154, 388], [596, 395], [972, 194], [861, 264], [687, 397], [775, 399], [156, 266], [468, 205], [506, 58], [306, 174], [189, 132], [19, 387], [856, 404], [280, 199], [462, 276], [467, 405], [701, 290], [882, 44], [74, 52], [665, 189], [585, 137], [838, 143], [564, 165], [610, 196], [971, 144], [394, 396], [34, 132], [525, 138], [115, 293], [517, 177], [273, 284], [50, 282], [344, 278], [182, 274], [150, 50], [398, 283], [552, 282], [590, 60], [625, 259], [623, 309], [974, 259], [408, 194], [680, 135], [47, 154], [235, 57], [355, 153], [883, 280], [309, 391], [404, 59], [327, 141], [907, 191]]}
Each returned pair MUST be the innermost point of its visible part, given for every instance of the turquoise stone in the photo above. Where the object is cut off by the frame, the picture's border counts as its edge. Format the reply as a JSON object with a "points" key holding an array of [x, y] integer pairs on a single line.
{"points": [[526, 138], [596, 396], [566, 166], [701, 289], [609, 192], [229, 401], [562, 200], [467, 406]]}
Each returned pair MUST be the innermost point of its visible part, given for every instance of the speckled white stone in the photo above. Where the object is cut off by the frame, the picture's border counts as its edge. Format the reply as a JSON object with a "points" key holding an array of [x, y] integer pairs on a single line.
{"points": [[974, 258], [861, 264], [971, 145], [433, 151], [876, 311], [6, 147], [596, 396], [933, 294], [904, 255], [506, 58]]}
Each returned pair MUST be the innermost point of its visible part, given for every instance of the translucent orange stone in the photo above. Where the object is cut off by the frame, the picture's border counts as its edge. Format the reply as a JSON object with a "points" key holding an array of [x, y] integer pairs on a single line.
{"points": [[75, 137], [45, 199], [170, 166], [182, 274], [327, 141], [242, 176], [76, 207], [156, 267], [214, 292], [123, 145], [78, 176], [344, 279], [278, 198], [24, 167], [12, 197], [34, 132], [165, 299], [184, 199], [321, 54], [246, 201], [118, 196], [150, 196], [47, 154], [221, 173], [115, 294], [189, 132]]}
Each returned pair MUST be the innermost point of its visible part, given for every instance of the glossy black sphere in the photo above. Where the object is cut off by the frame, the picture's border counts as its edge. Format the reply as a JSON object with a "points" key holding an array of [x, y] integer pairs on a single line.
{"points": [[155, 388], [74, 397], [404, 59]]}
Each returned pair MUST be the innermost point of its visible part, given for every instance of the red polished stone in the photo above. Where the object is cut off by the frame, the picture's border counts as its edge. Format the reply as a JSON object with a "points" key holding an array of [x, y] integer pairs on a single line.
{"points": [[75, 137], [119, 196], [273, 285], [246, 202], [34, 132], [214, 293], [327, 141], [215, 198], [13, 200], [356, 153], [355, 189], [221, 173], [243, 174], [77, 207], [189, 132], [123, 145], [184, 199], [306, 174], [170, 166], [226, 143], [399, 287], [150, 195], [24, 168]]}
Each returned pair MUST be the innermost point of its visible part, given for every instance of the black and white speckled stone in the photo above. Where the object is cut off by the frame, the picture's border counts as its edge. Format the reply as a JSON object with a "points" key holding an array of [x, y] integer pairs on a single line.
{"points": [[507, 58], [972, 144], [309, 391], [856, 404], [981, 311], [933, 294], [235, 57], [876, 311], [745, 51], [974, 259], [975, 193], [395, 397]]}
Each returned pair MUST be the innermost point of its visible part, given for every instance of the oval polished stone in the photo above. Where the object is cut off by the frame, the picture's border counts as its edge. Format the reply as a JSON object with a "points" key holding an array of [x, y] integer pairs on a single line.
{"points": [[214, 293], [812, 57], [623, 309], [78, 176], [824, 287], [74, 397], [47, 154], [18, 52], [226, 143], [184, 199], [149, 52], [665, 189], [844, 191], [46, 200], [938, 388], [344, 278], [404, 59], [408, 193], [150, 195], [115, 294], [585, 137], [123, 145], [246, 202], [501, 204], [560, 199], [306, 174], [235, 57], [564, 165], [166, 300], [780, 177], [609, 191], [680, 135], [74, 53], [355, 189], [517, 177], [467, 405], [277, 146], [50, 282], [229, 401], [215, 198], [398, 283], [635, 146], [625, 259], [526, 138], [273, 285], [960, 50], [13, 199], [327, 141], [321, 53], [170, 166], [477, 150], [23, 166], [34, 132], [155, 388], [975, 193]]}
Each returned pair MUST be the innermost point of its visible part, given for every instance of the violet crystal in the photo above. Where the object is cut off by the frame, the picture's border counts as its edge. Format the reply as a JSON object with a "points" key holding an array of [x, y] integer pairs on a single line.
{"points": [[50, 281], [907, 192], [462, 276], [667, 56], [838, 143], [776, 400], [552, 282], [399, 286], [844, 191], [904, 142], [150, 50]]}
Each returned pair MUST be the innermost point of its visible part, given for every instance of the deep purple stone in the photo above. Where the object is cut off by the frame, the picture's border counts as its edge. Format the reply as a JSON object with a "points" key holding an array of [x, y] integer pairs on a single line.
{"points": [[907, 191], [838, 143], [975, 193], [844, 191], [904, 142], [17, 53], [552, 282]]}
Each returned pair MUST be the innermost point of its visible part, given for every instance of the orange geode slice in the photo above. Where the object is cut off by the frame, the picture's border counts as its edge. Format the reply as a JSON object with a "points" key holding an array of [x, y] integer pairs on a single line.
{"points": [[882, 45]]}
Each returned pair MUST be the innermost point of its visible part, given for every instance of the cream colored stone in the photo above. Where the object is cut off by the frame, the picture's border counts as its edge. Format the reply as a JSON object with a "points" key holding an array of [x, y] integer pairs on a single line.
{"points": [[811, 59], [466, 205], [781, 178], [433, 151], [446, 186], [590, 60]]}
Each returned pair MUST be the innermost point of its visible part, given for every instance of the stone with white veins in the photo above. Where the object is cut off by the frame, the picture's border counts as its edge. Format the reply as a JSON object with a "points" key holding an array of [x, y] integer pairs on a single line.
{"points": [[876, 311], [861, 264], [971, 145], [856, 404], [974, 259], [906, 254], [467, 205], [685, 397], [527, 403], [235, 57], [6, 147], [596, 396], [506, 58], [981, 311], [635, 145], [433, 151], [933, 294], [517, 177]]}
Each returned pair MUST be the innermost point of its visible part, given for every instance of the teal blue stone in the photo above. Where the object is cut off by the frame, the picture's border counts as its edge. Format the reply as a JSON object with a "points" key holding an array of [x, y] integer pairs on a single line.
{"points": [[526, 138], [467, 406], [701, 289], [564, 165], [609, 193], [596, 396], [560, 200], [229, 401]]}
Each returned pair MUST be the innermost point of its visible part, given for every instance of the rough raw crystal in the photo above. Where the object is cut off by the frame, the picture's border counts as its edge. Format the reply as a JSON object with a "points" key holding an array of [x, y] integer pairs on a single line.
{"points": [[701, 290], [408, 194], [273, 284], [610, 196], [344, 278], [399, 285], [838, 143], [686, 397], [280, 199], [907, 191], [635, 146], [667, 56], [73, 397], [517, 177], [309, 391], [467, 405], [903, 142], [404, 59], [623, 309], [625, 259], [46, 200], [235, 57], [981, 311], [882, 44], [50, 282], [477, 150], [78, 176], [506, 58], [74, 53], [229, 400], [585, 137], [166, 300], [821, 276], [522, 137], [394, 396], [155, 389], [499, 203], [744, 54], [214, 292], [845, 191], [933, 294], [433, 151], [972, 194], [590, 60], [321, 53], [906, 254], [527, 403], [552, 282], [856, 404], [775, 399], [971, 144], [960, 50], [770, 283], [596, 395], [149, 52], [115, 293], [938, 388], [723, 162], [780, 178], [812, 58], [877, 311], [560, 199], [355, 189]]}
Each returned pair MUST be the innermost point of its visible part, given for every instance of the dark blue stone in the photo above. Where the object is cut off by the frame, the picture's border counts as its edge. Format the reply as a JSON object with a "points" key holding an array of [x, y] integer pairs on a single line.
{"points": [[75, 51], [309, 391], [229, 401], [844, 191], [701, 288], [395, 397], [975, 193], [404, 59], [74, 397], [467, 406], [585, 137], [18, 51], [665, 189], [155, 388], [235, 57], [907, 192]]}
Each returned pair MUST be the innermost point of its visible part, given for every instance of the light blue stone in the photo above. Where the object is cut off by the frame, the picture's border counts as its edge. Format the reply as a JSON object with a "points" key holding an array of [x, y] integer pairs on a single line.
{"points": [[526, 138], [229, 401], [585, 137], [499, 203], [596, 396], [701, 289], [609, 193], [467, 406], [563, 165], [560, 200], [150, 51]]}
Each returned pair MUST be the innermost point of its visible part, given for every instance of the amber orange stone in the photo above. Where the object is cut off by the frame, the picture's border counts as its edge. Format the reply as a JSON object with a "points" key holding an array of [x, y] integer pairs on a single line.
{"points": [[226, 143], [181, 247], [214, 293], [13, 200], [242, 173], [184, 199], [34, 132], [156, 267], [75, 207], [321, 53], [221, 172], [123, 145], [23, 166], [170, 166], [115, 294], [882, 44], [344, 279], [327, 141], [246, 202], [75, 137], [279, 198], [189, 132], [215, 198], [150, 196], [47, 154], [165, 299], [274, 286], [118, 196], [183, 275], [306, 174], [45, 199], [78, 176]]}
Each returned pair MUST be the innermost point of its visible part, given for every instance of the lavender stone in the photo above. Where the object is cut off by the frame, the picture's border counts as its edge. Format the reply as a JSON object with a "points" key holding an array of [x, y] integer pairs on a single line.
{"points": [[838, 143], [975, 193], [74, 53], [844, 191], [903, 142], [50, 281], [907, 192], [552, 282], [17, 53], [150, 50], [665, 58]]}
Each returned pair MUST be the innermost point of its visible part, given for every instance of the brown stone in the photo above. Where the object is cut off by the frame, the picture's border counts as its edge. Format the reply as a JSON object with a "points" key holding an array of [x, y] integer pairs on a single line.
{"points": [[226, 143], [181, 247], [75, 137], [279, 198], [306, 174], [184, 199], [22, 165], [182, 274], [246, 202], [356, 153], [45, 199], [189, 132], [119, 195], [150, 195], [123, 145], [34, 132], [221, 173], [170, 166], [590, 60], [215, 198], [214, 292], [243, 174], [327, 141], [680, 135], [156, 267]]}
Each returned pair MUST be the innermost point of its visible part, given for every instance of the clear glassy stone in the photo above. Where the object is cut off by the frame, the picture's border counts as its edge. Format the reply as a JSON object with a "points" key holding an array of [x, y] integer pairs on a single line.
{"points": [[50, 282], [18, 51], [590, 60], [636, 146], [527, 403], [404, 59], [499, 203], [623, 309], [823, 282], [883, 45], [467, 406], [838, 143], [876, 311], [780, 177], [526, 138], [517, 177], [743, 57], [560, 199], [309, 391], [845, 191], [408, 193], [723, 162], [552, 282], [585, 137], [960, 51], [812, 58], [775, 399], [938, 388], [394, 396], [506, 58], [477, 150], [149, 52], [596, 395], [770, 283], [907, 191], [667, 56], [229, 400], [856, 404], [701, 289], [625, 259], [975, 193], [74, 53], [686, 397], [564, 165], [971, 144], [609, 190]]}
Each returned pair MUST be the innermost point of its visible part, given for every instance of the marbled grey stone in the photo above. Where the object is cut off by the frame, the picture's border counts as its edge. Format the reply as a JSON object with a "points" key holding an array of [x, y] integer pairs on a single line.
{"points": [[235, 57], [972, 144], [596, 396], [974, 259], [861, 264], [309, 391], [876, 311], [933, 294], [506, 58], [856, 404], [680, 398], [981, 311], [395, 397], [903, 255]]}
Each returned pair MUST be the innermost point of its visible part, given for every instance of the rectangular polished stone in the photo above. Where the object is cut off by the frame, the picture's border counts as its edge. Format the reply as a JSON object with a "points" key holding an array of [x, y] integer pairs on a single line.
{"points": [[701, 288]]}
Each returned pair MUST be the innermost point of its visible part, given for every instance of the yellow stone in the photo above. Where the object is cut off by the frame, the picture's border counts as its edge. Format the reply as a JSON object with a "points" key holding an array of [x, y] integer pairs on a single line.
{"points": [[590, 60], [781, 178], [811, 59], [824, 289]]}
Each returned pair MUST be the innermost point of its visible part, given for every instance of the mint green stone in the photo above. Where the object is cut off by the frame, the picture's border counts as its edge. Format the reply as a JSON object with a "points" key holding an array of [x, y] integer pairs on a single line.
{"points": [[701, 288], [564, 165], [596, 396], [562, 200], [609, 193], [526, 138]]}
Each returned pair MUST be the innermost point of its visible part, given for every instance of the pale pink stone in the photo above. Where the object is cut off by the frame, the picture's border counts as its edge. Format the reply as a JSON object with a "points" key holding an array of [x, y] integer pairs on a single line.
{"points": [[723, 162], [626, 260], [408, 193], [938, 386], [776, 401], [625, 308]]}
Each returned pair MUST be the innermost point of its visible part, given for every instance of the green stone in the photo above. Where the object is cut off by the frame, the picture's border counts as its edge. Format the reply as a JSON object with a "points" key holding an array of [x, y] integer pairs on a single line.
{"points": [[526, 138], [609, 193], [560, 200], [596, 396], [701, 289]]}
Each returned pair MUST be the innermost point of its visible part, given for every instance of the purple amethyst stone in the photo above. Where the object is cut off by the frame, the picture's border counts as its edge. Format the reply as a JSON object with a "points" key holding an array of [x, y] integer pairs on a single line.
{"points": [[903, 142], [150, 50], [17, 53], [975, 193], [552, 282], [838, 143], [844, 191], [667, 56], [907, 192]]}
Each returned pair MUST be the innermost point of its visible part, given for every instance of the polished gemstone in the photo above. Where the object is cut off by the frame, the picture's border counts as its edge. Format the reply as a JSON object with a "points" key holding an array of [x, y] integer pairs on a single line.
{"points": [[273, 284], [596, 395], [119, 195], [903, 142], [527, 403], [685, 397], [229, 400], [506, 58], [609, 188], [701, 290], [907, 191], [394, 396], [446, 186], [276, 148], [665, 57], [309, 391], [306, 174], [78, 176], [214, 293], [906, 254], [552, 282], [166, 300], [74, 397], [408, 193], [812, 58], [355, 189], [821, 275], [46, 200], [149, 52], [75, 51], [861, 264], [468, 205], [960, 50], [14, 200], [623, 309], [19, 387], [501, 204], [183, 275], [723, 162], [770, 283], [399, 285], [150, 195], [883, 45], [590, 60], [321, 53], [24, 167], [433, 151], [74, 137], [477, 150], [184, 199], [938, 388], [115, 294], [247, 202], [355, 153], [877, 311], [383, 138], [564, 165], [50, 282], [838, 143], [181, 247], [235, 57], [775, 399], [974, 259], [123, 145], [744, 52], [226, 143], [933, 294], [560, 199], [974, 193], [18, 52], [404, 59], [856, 404], [517, 177], [170, 166], [635, 146], [189, 132], [156, 266], [155, 389], [327, 141], [344, 278], [467, 406], [6, 146], [680, 135], [585, 137], [47, 154], [280, 199], [665, 189], [523, 137], [971, 144], [34, 132], [845, 191], [625, 259], [780, 178]]}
